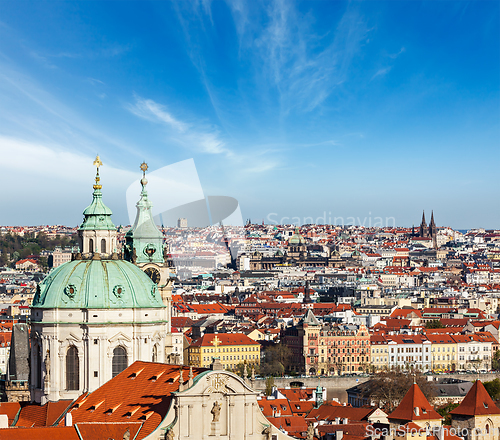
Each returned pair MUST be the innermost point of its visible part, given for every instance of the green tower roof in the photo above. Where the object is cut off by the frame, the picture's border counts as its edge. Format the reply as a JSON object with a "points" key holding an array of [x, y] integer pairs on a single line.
{"points": [[144, 236], [97, 284], [97, 214]]}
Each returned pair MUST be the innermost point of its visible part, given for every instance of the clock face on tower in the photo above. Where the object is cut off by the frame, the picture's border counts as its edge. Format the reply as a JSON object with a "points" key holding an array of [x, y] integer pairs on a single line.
{"points": [[153, 273]]}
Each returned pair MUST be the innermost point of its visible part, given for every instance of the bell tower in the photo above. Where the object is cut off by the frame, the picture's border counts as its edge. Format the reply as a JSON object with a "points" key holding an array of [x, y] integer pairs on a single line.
{"points": [[145, 248]]}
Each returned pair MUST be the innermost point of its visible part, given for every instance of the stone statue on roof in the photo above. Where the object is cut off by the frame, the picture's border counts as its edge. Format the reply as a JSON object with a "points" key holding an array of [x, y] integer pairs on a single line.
{"points": [[47, 368], [310, 432], [268, 432], [216, 412]]}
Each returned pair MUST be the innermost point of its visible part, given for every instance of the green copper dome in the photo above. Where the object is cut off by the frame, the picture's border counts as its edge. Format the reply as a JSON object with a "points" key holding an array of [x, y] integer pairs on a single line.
{"points": [[97, 214], [97, 284], [296, 238]]}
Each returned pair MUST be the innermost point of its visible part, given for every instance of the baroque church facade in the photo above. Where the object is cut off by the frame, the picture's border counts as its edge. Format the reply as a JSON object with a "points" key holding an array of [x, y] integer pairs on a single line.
{"points": [[97, 314], [296, 255]]}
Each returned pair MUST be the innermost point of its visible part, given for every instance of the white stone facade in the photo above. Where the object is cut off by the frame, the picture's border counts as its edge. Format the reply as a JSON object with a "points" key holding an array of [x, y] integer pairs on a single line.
{"points": [[100, 241], [218, 405], [141, 332]]}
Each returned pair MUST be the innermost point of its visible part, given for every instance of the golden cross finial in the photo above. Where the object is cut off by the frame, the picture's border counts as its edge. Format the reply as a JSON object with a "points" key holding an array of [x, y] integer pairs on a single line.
{"points": [[216, 341], [97, 163]]}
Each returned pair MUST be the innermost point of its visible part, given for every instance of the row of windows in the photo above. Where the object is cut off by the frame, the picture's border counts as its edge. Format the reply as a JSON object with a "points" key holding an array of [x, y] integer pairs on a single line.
{"points": [[348, 343], [434, 349], [333, 351], [228, 350], [230, 358], [118, 364], [344, 359], [103, 246], [407, 358]]}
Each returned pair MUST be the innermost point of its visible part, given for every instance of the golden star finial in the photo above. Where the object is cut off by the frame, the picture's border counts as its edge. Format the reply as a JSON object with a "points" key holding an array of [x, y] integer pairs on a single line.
{"points": [[144, 167]]}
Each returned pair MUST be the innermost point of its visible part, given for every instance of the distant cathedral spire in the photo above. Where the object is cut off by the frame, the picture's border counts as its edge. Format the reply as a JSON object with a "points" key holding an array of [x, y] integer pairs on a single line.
{"points": [[423, 227], [433, 230]]}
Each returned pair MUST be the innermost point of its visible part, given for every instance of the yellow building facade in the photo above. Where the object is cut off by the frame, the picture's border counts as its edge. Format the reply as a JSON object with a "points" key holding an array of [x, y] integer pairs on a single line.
{"points": [[231, 349]]}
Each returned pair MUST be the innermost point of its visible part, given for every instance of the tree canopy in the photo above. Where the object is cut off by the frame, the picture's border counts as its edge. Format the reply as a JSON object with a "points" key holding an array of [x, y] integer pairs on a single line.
{"points": [[387, 388], [435, 323]]}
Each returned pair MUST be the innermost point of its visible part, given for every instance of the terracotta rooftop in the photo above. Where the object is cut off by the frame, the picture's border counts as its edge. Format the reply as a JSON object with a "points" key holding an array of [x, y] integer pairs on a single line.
{"points": [[414, 406], [45, 433], [225, 339], [476, 402], [11, 409], [44, 415], [140, 393]]}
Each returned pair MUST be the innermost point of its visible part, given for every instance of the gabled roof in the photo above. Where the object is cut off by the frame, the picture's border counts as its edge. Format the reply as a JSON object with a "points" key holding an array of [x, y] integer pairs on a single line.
{"points": [[477, 402], [40, 433], [140, 393], [45, 415], [330, 412], [310, 319], [80, 431], [10, 409], [414, 406]]}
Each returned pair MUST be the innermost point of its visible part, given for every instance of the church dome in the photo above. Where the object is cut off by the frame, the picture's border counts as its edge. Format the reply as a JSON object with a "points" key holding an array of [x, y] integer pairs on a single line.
{"points": [[97, 284], [296, 238]]}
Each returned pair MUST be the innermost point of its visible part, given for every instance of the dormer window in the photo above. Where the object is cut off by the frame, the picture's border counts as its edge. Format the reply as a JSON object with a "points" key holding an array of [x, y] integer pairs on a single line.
{"points": [[485, 405], [416, 410]]}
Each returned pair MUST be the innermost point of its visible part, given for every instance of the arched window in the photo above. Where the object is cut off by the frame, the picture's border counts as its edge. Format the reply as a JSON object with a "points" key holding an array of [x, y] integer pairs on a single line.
{"points": [[91, 245], [487, 428], [103, 246], [155, 353], [119, 360], [72, 369]]}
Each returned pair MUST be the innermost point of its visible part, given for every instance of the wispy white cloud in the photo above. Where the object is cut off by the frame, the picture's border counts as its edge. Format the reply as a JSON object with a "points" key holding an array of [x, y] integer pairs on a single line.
{"points": [[94, 81], [56, 182], [382, 72], [261, 167], [287, 52], [204, 137], [395, 55], [152, 111], [28, 111]]}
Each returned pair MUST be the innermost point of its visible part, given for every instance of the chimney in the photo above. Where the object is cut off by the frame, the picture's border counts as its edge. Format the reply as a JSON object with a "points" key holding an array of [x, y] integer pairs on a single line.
{"points": [[4, 421], [68, 419]]}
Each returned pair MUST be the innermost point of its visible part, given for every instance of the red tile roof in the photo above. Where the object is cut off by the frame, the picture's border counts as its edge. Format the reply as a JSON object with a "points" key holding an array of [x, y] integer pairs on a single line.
{"points": [[140, 393], [330, 412], [11, 409], [41, 433], [225, 338], [477, 402], [45, 415], [414, 406], [100, 431], [275, 407]]}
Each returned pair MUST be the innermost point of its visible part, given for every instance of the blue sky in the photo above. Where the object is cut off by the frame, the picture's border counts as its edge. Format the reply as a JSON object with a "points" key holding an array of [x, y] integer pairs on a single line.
{"points": [[296, 109]]}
